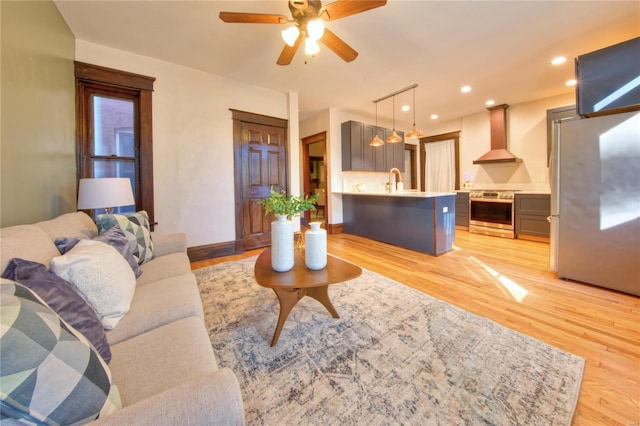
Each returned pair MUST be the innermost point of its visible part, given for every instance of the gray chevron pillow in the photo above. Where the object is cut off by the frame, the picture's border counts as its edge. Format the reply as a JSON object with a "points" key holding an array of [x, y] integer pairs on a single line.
{"points": [[137, 228]]}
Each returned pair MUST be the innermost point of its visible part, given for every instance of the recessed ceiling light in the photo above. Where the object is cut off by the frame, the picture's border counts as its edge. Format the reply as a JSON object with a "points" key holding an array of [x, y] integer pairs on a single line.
{"points": [[559, 60], [434, 116], [571, 82], [405, 108], [465, 89], [490, 102]]}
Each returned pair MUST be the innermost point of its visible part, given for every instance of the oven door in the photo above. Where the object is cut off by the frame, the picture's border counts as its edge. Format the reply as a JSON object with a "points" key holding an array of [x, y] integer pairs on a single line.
{"points": [[491, 217]]}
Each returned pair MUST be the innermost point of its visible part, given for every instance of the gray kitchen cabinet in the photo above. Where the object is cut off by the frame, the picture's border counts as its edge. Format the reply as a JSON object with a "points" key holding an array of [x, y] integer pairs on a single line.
{"points": [[358, 155], [462, 210], [531, 215]]}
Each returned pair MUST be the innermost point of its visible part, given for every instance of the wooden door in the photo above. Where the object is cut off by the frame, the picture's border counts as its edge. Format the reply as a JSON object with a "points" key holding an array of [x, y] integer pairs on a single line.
{"points": [[261, 163]]}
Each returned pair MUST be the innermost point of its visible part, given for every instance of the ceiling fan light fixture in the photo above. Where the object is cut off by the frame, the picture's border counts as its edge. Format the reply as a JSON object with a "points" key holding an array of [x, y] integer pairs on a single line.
{"points": [[311, 47], [315, 29], [290, 35]]}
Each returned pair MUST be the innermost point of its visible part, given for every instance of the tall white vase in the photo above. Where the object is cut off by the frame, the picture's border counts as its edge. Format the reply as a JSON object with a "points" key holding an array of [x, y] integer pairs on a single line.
{"points": [[281, 244], [315, 240]]}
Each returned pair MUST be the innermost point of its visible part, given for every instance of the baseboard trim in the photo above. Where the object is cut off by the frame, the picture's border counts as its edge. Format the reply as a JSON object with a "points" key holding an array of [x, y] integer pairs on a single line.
{"points": [[211, 251], [334, 228], [533, 238]]}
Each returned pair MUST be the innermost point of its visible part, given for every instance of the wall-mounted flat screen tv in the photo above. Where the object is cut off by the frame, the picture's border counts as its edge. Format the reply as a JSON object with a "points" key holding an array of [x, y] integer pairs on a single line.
{"points": [[609, 79]]}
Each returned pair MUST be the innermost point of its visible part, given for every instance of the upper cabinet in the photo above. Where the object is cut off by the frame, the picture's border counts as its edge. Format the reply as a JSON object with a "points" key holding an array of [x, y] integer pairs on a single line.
{"points": [[358, 155]]}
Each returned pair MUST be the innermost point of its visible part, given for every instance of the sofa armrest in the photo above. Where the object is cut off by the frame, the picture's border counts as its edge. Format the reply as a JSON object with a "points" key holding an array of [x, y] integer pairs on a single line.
{"points": [[212, 400], [168, 243]]}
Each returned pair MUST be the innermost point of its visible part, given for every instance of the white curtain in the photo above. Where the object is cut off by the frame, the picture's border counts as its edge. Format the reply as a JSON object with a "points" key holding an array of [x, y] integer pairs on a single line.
{"points": [[439, 166]]}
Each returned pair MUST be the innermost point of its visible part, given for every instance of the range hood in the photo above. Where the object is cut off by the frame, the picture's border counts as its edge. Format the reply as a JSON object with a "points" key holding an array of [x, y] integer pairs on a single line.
{"points": [[498, 153]]}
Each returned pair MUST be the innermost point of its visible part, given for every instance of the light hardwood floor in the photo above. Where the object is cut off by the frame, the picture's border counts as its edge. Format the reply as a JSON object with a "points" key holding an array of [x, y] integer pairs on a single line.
{"points": [[508, 281]]}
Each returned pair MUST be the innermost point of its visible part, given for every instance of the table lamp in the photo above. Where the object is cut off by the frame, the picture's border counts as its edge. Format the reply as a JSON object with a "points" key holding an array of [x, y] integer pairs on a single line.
{"points": [[104, 193]]}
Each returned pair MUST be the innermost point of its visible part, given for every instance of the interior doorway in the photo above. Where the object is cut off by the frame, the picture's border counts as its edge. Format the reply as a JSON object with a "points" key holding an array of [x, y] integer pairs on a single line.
{"points": [[260, 163], [314, 163]]}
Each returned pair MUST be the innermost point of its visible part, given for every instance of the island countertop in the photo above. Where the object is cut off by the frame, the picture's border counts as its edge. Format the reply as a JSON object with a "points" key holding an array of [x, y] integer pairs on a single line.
{"points": [[422, 221], [405, 194]]}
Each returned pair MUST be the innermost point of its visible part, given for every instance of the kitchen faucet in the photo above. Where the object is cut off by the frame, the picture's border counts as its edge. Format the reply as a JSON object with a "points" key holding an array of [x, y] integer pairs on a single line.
{"points": [[392, 183]]}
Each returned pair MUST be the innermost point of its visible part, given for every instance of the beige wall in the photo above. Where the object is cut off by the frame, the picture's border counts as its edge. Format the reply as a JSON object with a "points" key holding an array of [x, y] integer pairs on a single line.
{"points": [[38, 171], [193, 140]]}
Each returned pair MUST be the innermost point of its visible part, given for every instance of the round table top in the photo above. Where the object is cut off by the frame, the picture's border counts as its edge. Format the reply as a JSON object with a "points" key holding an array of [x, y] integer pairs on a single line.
{"points": [[336, 271]]}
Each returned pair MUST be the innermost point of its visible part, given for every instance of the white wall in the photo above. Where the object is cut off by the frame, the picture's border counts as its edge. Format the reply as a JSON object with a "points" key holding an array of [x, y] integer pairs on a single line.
{"points": [[526, 138], [193, 140]]}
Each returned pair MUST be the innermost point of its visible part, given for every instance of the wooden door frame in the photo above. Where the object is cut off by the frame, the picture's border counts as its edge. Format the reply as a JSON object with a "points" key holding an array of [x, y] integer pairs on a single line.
{"points": [[306, 185], [238, 118]]}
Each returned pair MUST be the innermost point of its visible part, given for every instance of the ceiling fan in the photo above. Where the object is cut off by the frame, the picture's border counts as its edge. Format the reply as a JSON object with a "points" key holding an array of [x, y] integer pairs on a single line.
{"points": [[307, 18]]}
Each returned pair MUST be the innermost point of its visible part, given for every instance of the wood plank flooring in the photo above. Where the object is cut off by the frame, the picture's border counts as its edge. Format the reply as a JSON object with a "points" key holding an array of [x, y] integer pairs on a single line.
{"points": [[508, 281]]}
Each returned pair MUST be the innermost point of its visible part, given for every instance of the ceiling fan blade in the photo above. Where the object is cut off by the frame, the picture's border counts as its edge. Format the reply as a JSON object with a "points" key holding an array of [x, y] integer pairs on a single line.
{"points": [[289, 51], [341, 8], [252, 18], [338, 46]]}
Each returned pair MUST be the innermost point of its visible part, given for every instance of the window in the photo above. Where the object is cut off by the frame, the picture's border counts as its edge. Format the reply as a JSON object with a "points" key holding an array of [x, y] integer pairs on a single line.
{"points": [[114, 130]]}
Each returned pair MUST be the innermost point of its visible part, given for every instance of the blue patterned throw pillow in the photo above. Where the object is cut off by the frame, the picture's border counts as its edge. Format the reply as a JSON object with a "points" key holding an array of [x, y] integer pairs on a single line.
{"points": [[50, 373], [137, 228]]}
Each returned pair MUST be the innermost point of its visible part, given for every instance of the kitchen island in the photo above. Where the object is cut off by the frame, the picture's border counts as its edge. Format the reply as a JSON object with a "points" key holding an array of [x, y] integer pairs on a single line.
{"points": [[422, 221]]}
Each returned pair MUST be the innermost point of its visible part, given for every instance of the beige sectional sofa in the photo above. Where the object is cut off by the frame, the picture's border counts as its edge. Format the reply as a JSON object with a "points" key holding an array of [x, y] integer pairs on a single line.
{"points": [[161, 356]]}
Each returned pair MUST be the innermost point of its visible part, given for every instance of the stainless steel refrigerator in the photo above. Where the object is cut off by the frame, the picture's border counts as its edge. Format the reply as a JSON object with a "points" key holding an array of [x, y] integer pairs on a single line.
{"points": [[595, 201]]}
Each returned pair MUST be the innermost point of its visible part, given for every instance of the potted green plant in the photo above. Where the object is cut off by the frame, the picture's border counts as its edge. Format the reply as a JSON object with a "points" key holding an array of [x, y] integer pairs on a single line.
{"points": [[285, 207], [279, 203]]}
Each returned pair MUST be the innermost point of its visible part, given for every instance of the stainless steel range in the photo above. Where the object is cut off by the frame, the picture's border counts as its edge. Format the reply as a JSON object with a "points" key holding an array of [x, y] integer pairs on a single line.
{"points": [[491, 212]]}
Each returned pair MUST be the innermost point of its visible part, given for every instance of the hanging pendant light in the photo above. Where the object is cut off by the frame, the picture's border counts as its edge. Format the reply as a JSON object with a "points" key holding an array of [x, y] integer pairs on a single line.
{"points": [[414, 133], [394, 137], [376, 141]]}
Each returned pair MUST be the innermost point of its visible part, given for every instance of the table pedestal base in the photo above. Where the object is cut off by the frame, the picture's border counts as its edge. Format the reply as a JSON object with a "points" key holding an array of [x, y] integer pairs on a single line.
{"points": [[288, 299]]}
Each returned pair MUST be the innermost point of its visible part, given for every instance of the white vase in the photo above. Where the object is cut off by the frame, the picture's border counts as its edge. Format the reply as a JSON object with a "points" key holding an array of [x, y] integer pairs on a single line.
{"points": [[281, 244], [315, 240]]}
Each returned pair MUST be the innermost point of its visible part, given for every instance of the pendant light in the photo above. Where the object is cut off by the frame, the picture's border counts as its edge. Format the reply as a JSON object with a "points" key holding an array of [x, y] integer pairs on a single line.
{"points": [[394, 137], [376, 141], [414, 133]]}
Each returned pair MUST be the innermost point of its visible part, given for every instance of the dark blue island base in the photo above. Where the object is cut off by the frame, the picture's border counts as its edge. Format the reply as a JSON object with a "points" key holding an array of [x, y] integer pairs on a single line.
{"points": [[424, 222]]}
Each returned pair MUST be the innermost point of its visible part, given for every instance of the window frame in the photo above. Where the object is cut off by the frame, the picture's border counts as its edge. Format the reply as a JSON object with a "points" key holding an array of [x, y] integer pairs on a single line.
{"points": [[95, 79]]}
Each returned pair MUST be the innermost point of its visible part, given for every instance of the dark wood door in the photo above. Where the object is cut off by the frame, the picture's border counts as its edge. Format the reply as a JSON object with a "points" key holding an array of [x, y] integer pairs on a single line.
{"points": [[261, 163]]}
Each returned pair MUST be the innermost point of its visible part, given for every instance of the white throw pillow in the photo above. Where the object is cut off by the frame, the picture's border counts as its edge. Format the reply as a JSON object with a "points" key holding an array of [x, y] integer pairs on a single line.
{"points": [[101, 275]]}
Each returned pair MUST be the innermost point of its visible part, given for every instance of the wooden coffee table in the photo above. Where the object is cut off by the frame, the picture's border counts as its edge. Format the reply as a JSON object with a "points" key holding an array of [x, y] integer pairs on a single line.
{"points": [[293, 285]]}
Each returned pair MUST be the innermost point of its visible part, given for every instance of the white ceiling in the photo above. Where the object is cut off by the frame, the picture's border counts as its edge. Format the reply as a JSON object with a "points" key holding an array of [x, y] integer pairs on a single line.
{"points": [[501, 48]]}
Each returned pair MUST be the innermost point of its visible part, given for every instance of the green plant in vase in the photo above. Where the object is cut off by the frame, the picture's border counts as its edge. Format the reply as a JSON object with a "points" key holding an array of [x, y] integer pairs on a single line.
{"points": [[279, 203]]}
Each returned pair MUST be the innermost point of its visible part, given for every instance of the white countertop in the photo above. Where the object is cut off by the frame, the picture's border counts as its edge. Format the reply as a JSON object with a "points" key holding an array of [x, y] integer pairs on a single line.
{"points": [[405, 194]]}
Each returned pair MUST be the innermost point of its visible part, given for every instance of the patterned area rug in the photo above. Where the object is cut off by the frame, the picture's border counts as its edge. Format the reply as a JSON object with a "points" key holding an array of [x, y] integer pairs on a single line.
{"points": [[395, 356]]}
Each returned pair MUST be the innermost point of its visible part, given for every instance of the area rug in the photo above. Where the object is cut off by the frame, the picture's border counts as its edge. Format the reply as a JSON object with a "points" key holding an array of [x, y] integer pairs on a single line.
{"points": [[395, 356]]}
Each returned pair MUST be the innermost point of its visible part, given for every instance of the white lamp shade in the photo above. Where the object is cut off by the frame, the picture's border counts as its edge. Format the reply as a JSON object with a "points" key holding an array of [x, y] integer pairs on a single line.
{"points": [[311, 46], [103, 193], [290, 35], [315, 29]]}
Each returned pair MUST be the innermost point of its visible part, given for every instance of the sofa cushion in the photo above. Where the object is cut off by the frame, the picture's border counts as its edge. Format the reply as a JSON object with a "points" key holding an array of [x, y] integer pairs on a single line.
{"points": [[50, 371], [138, 231], [161, 359], [26, 242], [113, 236], [62, 297], [101, 275], [75, 225], [159, 303], [163, 267]]}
